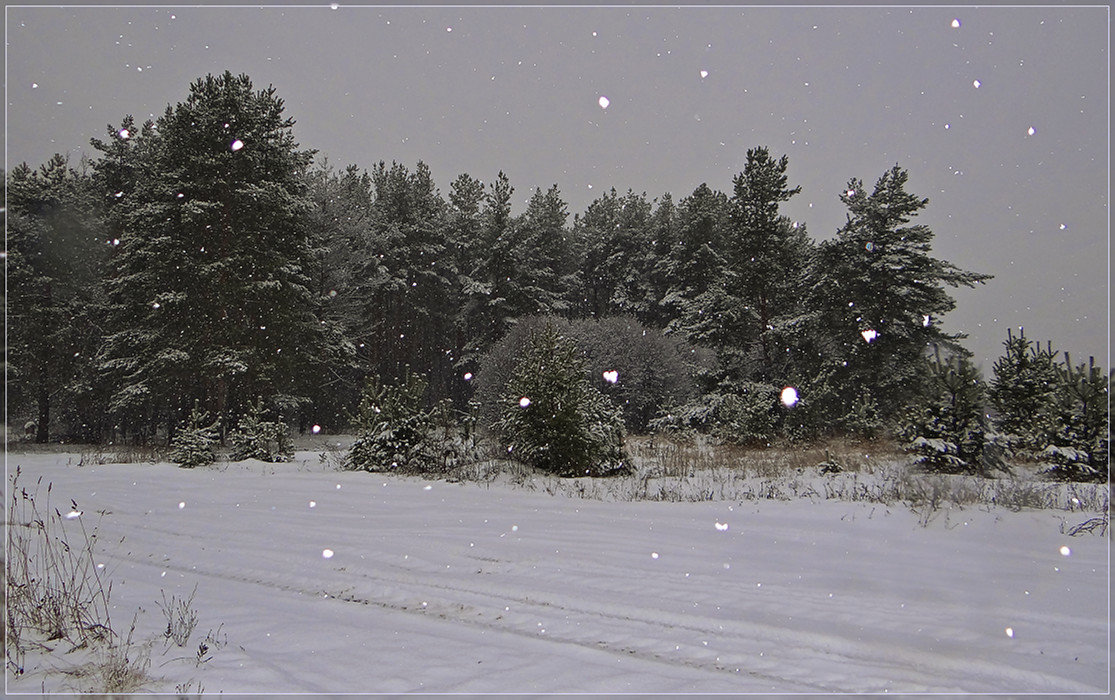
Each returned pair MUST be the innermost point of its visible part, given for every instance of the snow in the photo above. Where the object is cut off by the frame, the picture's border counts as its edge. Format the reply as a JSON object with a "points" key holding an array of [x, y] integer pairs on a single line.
{"points": [[395, 585]]}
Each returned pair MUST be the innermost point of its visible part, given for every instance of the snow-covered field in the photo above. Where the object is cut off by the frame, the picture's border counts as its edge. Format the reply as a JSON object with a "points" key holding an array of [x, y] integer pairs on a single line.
{"points": [[313, 580]]}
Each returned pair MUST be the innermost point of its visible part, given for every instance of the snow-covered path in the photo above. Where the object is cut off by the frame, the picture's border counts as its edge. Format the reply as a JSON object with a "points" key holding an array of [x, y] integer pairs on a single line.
{"points": [[441, 587]]}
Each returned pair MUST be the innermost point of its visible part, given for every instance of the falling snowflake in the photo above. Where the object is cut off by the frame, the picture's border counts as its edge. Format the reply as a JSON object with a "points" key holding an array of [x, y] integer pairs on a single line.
{"points": [[1030, 131], [1010, 632], [236, 145], [1065, 551], [789, 397], [956, 24], [976, 83], [524, 402], [611, 376], [870, 334], [468, 376], [603, 102], [722, 527], [704, 74], [327, 554], [123, 133], [316, 429]]}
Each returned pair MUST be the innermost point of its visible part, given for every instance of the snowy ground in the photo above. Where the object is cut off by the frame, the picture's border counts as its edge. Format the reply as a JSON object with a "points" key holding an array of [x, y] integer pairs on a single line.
{"points": [[437, 587]]}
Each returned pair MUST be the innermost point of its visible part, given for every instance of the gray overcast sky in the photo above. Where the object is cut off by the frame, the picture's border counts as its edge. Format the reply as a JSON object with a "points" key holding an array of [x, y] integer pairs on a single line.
{"points": [[949, 93]]}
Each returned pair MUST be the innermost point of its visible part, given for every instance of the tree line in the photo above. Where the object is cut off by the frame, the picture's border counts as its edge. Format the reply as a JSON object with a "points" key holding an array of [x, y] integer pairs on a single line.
{"points": [[204, 260]]}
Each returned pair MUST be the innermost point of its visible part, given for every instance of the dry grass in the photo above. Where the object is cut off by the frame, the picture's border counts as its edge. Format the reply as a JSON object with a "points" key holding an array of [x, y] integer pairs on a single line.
{"points": [[57, 597], [697, 469]]}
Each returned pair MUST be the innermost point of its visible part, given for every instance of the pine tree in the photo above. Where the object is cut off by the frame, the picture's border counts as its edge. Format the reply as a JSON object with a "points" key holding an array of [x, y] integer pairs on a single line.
{"points": [[55, 257], [394, 429], [947, 427], [1024, 391], [768, 254], [552, 417], [491, 300], [255, 437], [874, 294], [614, 234], [548, 263], [407, 278], [1079, 448], [193, 443], [210, 295], [697, 301]]}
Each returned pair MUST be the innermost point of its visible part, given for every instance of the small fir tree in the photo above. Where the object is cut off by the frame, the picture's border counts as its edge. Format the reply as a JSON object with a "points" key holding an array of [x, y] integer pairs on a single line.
{"points": [[395, 431], [554, 419], [192, 446], [257, 438], [946, 426]]}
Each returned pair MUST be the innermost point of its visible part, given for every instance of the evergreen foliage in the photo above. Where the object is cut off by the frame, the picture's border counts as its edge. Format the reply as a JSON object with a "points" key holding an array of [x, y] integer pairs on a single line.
{"points": [[1079, 448], [258, 438], [193, 442], [653, 372], [209, 293], [874, 293], [1024, 391], [205, 262], [56, 249], [395, 430], [552, 417], [946, 426]]}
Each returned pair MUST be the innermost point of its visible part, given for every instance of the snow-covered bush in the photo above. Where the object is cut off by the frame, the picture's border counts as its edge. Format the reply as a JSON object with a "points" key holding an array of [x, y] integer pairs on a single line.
{"points": [[192, 445], [257, 438], [552, 417]]}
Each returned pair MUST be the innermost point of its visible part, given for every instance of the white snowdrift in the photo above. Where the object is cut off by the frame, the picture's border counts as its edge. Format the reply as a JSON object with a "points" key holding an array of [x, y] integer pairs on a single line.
{"points": [[436, 587]]}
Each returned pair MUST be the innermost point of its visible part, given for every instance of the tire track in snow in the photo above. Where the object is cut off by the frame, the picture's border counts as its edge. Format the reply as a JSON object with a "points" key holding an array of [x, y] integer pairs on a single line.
{"points": [[644, 633]]}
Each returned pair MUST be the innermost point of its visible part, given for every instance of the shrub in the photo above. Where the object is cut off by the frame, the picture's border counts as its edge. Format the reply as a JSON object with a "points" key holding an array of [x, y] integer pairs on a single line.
{"points": [[749, 417], [256, 438], [653, 371], [554, 419], [192, 445]]}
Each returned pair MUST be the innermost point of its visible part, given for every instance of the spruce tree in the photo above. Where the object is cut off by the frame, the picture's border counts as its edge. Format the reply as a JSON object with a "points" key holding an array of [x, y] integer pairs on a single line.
{"points": [[394, 429], [255, 437]]}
